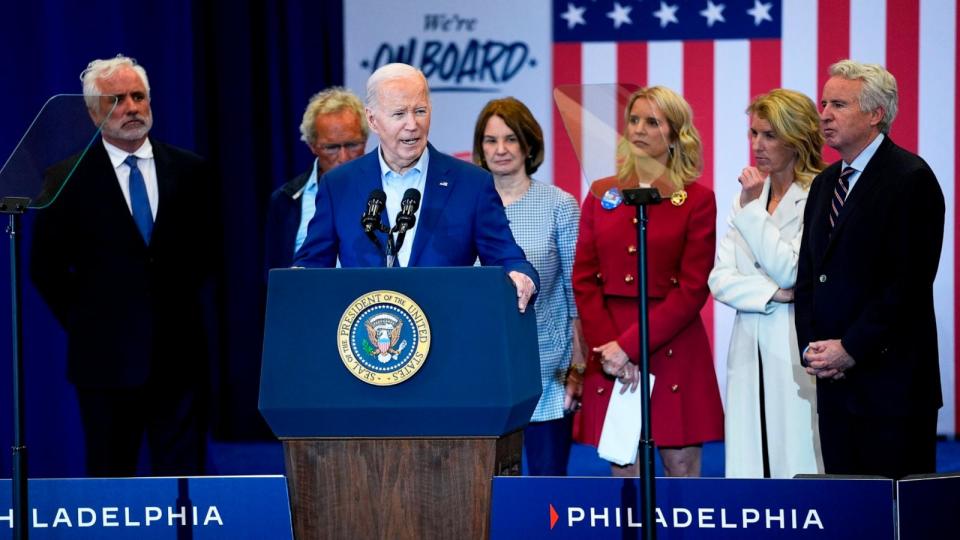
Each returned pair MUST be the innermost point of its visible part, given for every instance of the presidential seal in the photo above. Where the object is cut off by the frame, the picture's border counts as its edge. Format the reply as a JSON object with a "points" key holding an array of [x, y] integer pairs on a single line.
{"points": [[383, 338]]}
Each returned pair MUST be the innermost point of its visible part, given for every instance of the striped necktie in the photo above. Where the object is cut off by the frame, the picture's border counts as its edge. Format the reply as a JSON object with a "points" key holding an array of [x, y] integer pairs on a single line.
{"points": [[840, 195], [139, 202]]}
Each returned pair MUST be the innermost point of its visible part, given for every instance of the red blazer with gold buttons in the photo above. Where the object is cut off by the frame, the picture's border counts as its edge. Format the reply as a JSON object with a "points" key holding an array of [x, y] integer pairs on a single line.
{"points": [[681, 241], [680, 253]]}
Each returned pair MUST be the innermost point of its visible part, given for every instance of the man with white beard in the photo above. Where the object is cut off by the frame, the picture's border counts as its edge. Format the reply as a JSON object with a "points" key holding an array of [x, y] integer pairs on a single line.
{"points": [[121, 258]]}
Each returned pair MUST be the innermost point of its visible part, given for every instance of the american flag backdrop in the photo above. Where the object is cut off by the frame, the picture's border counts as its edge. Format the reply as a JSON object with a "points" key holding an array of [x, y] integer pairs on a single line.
{"points": [[720, 53]]}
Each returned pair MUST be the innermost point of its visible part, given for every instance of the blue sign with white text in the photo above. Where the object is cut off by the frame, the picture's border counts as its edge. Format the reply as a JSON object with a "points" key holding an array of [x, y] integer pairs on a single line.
{"points": [[199, 508], [559, 508]]}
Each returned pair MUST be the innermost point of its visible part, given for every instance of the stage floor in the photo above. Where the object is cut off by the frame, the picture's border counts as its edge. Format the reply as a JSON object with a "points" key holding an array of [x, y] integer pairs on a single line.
{"points": [[267, 458]]}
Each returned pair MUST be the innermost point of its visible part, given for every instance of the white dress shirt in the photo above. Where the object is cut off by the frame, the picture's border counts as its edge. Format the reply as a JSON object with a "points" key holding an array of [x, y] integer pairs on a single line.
{"points": [[860, 162], [147, 166], [394, 185], [308, 206]]}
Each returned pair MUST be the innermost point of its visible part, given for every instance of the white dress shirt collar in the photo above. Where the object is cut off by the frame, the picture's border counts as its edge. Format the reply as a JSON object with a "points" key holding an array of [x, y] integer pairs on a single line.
{"points": [[394, 185], [860, 162], [147, 166], [117, 155]]}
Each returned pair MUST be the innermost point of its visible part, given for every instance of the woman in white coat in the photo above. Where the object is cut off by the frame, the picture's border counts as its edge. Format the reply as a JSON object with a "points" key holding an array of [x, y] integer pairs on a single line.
{"points": [[771, 419]]}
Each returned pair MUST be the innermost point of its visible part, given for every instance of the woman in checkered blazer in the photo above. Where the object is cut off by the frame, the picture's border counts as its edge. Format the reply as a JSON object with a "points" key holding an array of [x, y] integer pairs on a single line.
{"points": [[508, 142]]}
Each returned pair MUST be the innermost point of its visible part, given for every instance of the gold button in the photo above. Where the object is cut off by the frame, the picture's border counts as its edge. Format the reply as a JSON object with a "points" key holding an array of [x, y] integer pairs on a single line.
{"points": [[675, 388], [631, 249], [628, 278], [669, 353], [600, 390], [674, 281], [634, 220]]}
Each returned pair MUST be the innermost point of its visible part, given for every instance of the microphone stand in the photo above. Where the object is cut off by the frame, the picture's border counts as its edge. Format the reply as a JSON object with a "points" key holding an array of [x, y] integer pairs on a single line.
{"points": [[390, 251], [392, 248], [401, 236], [640, 198], [404, 224]]}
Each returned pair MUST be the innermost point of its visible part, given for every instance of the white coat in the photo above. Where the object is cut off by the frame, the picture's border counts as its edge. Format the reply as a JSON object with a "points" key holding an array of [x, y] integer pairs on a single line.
{"points": [[757, 256]]}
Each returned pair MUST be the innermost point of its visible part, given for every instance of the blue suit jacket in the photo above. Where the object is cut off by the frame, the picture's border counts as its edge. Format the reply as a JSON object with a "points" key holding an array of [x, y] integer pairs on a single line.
{"points": [[461, 218]]}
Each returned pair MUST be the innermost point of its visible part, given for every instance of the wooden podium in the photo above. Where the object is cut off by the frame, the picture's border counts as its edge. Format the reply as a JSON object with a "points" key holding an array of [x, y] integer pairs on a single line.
{"points": [[411, 460]]}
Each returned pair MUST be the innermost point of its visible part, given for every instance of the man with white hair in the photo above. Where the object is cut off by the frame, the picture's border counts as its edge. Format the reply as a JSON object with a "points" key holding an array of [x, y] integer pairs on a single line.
{"points": [[120, 257], [460, 217], [873, 231]]}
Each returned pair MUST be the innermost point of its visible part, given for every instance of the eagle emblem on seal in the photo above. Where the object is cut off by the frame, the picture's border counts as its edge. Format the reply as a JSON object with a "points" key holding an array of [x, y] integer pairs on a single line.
{"points": [[383, 333]]}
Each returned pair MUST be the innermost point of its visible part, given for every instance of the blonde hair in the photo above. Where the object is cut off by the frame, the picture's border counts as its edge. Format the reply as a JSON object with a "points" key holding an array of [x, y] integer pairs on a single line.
{"points": [[331, 100], [684, 160], [795, 121]]}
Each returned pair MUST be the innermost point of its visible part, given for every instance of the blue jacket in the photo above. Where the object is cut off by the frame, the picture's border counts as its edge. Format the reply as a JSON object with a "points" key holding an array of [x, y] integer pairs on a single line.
{"points": [[461, 218]]}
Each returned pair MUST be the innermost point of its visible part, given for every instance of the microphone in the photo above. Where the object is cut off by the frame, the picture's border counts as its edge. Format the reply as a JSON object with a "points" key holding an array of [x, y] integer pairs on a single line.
{"points": [[370, 220], [407, 217]]}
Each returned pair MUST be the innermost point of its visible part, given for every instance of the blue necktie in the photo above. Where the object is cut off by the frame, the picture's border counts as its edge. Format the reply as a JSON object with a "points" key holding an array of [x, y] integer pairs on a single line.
{"points": [[139, 202]]}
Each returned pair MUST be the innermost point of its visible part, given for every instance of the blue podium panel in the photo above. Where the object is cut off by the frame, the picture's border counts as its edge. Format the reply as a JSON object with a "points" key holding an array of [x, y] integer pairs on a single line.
{"points": [[481, 377], [235, 508], [929, 507], [686, 508]]}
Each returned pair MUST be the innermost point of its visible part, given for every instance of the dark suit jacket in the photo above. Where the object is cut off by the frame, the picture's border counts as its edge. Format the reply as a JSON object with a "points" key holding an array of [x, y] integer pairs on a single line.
{"points": [[130, 310], [283, 220], [461, 218], [870, 284]]}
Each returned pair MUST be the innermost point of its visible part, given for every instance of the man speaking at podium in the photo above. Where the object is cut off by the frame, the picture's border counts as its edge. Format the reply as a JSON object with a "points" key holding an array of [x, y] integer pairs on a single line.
{"points": [[445, 211]]}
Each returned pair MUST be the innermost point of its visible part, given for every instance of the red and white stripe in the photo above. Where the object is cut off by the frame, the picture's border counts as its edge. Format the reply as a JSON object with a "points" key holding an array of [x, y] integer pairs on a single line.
{"points": [[916, 41]]}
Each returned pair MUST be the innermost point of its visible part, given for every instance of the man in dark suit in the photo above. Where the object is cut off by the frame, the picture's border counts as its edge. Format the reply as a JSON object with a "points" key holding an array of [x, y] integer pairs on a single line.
{"points": [[121, 258], [873, 230], [460, 217], [335, 130]]}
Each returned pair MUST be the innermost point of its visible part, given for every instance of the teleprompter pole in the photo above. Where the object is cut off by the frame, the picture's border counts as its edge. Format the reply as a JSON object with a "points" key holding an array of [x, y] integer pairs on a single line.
{"points": [[641, 198], [14, 207]]}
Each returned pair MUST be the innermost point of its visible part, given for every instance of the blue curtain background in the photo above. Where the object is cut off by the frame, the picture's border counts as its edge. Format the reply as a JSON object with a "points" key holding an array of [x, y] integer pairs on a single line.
{"points": [[229, 80]]}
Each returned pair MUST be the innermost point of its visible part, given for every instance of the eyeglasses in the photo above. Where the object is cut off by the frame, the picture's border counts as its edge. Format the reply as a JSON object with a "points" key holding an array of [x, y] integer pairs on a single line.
{"points": [[334, 149]]}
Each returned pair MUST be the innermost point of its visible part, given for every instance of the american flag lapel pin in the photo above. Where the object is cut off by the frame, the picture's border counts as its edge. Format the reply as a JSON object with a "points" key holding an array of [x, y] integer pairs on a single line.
{"points": [[443, 183]]}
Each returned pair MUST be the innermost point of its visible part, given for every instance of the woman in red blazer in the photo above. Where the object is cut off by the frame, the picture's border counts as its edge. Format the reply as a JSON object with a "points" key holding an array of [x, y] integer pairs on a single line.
{"points": [[660, 147]]}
